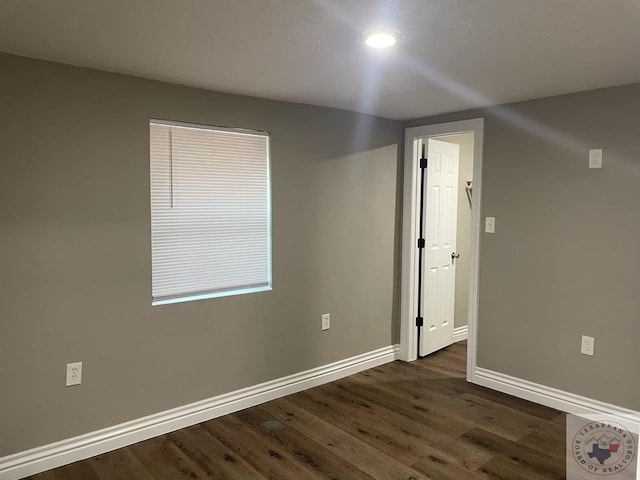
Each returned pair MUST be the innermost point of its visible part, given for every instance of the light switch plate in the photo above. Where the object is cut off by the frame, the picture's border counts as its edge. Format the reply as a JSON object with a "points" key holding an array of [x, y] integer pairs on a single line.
{"points": [[490, 224], [595, 158], [326, 321]]}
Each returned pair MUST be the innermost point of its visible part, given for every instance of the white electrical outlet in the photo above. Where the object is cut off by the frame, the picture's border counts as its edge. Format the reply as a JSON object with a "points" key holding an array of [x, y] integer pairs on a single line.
{"points": [[588, 345], [326, 321], [490, 224], [74, 374], [595, 158]]}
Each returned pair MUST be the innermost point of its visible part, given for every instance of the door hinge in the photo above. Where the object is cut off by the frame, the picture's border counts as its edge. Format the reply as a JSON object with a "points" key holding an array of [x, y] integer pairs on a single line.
{"points": [[421, 243], [423, 163], [419, 321]]}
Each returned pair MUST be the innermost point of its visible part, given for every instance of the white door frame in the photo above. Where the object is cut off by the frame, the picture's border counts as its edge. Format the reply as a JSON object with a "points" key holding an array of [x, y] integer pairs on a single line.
{"points": [[408, 329]]}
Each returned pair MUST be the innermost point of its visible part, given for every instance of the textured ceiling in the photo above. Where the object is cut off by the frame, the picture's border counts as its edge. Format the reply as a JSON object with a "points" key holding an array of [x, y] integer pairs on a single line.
{"points": [[455, 54]]}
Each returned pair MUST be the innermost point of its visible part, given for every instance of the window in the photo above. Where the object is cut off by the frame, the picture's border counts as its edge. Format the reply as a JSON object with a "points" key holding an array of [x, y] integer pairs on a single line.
{"points": [[210, 212]]}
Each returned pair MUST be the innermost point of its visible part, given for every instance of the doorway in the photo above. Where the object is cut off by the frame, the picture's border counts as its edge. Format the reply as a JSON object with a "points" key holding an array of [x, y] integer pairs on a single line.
{"points": [[434, 303]]}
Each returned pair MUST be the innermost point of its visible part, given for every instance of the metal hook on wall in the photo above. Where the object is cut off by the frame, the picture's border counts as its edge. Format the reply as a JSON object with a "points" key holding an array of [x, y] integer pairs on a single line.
{"points": [[469, 190]]}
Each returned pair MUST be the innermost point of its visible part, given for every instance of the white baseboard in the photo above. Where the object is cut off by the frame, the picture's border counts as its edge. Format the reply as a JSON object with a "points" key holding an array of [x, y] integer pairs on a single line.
{"points": [[39, 459], [460, 333], [551, 397]]}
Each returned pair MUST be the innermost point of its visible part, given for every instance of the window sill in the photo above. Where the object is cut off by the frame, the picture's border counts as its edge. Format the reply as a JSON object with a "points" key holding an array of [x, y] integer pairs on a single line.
{"points": [[210, 295]]}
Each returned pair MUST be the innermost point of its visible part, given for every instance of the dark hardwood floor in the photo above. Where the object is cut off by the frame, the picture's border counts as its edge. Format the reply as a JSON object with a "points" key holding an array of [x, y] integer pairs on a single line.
{"points": [[407, 421]]}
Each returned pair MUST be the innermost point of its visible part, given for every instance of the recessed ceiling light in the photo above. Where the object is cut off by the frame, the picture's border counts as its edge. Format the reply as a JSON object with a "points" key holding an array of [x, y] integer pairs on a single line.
{"points": [[381, 38]]}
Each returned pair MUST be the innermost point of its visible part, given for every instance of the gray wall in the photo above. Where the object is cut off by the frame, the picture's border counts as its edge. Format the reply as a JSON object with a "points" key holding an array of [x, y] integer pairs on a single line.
{"points": [[463, 230], [564, 259], [75, 243]]}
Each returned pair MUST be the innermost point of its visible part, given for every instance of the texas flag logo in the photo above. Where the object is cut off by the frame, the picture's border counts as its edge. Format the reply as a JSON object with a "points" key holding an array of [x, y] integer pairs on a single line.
{"points": [[603, 447]]}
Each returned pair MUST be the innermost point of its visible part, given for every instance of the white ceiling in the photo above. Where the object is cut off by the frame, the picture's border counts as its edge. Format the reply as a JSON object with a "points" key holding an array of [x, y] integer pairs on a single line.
{"points": [[455, 54]]}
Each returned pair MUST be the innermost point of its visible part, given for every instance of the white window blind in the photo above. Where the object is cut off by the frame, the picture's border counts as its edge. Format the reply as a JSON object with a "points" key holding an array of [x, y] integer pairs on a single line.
{"points": [[210, 212]]}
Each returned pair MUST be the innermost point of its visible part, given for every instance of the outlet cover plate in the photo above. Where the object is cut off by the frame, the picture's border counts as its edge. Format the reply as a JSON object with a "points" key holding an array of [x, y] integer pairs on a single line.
{"points": [[595, 158], [74, 374], [588, 345]]}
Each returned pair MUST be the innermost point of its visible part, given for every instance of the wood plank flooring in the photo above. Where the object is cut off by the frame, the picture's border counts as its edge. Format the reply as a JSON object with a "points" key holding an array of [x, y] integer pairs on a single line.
{"points": [[400, 421]]}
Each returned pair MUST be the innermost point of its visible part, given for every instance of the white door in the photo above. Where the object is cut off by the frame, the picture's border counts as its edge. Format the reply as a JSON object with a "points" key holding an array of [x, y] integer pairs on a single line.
{"points": [[441, 207]]}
